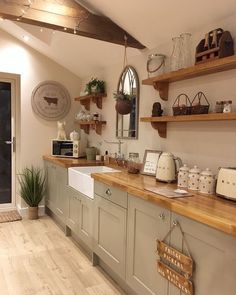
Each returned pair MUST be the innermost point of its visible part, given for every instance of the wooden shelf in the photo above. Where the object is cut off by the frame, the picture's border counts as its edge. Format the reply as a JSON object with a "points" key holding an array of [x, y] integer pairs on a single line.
{"points": [[96, 125], [161, 82], [160, 123], [86, 99]]}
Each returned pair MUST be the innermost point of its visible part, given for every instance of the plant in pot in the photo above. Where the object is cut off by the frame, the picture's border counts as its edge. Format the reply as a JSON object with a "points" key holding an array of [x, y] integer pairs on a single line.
{"points": [[32, 188], [123, 102], [95, 86]]}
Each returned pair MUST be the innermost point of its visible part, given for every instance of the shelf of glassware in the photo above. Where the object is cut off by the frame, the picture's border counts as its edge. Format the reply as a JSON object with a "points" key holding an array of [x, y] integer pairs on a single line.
{"points": [[161, 82], [96, 125]]}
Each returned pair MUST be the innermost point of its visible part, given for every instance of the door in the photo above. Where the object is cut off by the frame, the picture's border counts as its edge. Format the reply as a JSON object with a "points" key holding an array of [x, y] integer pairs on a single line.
{"points": [[146, 223], [7, 143]]}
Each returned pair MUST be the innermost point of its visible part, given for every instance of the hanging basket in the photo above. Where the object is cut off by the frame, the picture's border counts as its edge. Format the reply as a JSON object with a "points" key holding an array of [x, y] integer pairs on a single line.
{"points": [[123, 106]]}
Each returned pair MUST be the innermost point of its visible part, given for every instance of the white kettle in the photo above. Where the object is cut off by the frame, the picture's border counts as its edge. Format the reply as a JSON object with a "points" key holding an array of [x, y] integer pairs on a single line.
{"points": [[168, 167]]}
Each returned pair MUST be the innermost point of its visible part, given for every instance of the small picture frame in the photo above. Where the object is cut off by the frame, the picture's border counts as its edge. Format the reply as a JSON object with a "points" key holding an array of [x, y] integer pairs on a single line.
{"points": [[150, 161]]}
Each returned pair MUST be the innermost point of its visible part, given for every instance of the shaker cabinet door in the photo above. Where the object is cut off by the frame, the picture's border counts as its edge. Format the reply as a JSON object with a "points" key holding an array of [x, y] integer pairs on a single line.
{"points": [[110, 234], [86, 220], [214, 255], [73, 216], [62, 198], [146, 223], [51, 189]]}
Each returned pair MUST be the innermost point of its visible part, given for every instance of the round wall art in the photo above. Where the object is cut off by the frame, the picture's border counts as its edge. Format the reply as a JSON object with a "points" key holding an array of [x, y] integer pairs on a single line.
{"points": [[50, 100]]}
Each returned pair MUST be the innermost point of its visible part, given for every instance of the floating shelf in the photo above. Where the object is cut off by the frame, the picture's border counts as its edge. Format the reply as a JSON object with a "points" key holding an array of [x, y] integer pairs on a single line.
{"points": [[96, 125], [161, 82], [86, 99], [160, 123]]}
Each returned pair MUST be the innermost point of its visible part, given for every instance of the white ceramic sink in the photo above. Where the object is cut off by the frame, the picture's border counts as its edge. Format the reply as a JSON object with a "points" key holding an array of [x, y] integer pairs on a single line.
{"points": [[80, 178]]}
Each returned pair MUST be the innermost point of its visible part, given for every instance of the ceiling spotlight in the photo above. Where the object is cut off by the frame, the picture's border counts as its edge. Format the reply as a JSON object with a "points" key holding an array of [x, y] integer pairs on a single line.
{"points": [[75, 32], [65, 29], [1, 19], [18, 18], [26, 38], [41, 30]]}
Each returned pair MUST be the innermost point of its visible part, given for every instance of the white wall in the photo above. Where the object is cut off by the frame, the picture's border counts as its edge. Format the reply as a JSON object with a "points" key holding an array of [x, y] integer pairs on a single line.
{"points": [[207, 144], [36, 133]]}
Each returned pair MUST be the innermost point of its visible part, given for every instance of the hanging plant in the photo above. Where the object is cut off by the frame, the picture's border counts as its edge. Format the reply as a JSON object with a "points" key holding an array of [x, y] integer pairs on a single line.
{"points": [[123, 102]]}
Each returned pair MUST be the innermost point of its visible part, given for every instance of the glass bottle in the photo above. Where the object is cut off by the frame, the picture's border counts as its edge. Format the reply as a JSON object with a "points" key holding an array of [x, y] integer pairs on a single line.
{"points": [[175, 59], [186, 58], [133, 164]]}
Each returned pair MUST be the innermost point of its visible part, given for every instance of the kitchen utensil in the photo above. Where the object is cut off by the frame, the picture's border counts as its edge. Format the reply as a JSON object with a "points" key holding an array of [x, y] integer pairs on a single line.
{"points": [[226, 183], [207, 182], [155, 62], [193, 178], [183, 176], [168, 167]]}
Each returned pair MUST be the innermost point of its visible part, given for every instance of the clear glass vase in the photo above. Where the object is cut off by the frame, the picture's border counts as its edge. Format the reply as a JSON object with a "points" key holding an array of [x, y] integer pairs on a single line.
{"points": [[175, 59], [186, 57]]}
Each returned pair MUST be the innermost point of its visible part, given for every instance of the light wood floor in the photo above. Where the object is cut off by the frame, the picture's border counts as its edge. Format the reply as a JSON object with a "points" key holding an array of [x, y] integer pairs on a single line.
{"points": [[37, 259]]}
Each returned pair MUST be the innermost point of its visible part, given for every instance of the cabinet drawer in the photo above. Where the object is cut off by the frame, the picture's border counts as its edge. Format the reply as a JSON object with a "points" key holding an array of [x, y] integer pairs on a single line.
{"points": [[112, 194]]}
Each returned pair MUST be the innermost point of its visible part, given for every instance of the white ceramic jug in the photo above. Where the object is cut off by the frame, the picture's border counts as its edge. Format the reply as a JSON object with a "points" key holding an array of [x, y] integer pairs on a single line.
{"points": [[207, 182], [74, 135], [168, 167]]}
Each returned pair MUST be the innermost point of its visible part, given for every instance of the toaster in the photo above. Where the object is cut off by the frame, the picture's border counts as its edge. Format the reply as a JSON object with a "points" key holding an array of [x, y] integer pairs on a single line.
{"points": [[226, 183]]}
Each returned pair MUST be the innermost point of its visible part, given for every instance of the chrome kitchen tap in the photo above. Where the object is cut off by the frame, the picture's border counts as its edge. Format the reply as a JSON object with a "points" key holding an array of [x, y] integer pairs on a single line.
{"points": [[119, 143]]}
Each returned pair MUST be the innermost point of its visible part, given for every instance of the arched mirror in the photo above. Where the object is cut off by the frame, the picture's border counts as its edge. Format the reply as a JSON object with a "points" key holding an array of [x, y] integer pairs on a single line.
{"points": [[127, 125]]}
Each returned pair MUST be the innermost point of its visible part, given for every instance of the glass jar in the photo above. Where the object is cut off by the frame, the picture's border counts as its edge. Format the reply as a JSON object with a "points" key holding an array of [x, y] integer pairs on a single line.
{"points": [[227, 106], [186, 58], [175, 59], [133, 164]]}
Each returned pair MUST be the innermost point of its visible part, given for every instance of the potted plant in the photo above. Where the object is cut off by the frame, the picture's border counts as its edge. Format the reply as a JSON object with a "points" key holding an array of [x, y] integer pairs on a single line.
{"points": [[123, 102], [95, 86], [32, 188]]}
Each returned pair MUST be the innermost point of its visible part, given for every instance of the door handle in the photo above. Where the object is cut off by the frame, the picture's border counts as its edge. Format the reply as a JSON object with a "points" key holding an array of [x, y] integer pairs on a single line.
{"points": [[9, 142]]}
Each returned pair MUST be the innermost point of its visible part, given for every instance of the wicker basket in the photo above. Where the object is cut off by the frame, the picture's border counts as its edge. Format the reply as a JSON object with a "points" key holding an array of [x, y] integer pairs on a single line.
{"points": [[181, 109], [201, 107]]}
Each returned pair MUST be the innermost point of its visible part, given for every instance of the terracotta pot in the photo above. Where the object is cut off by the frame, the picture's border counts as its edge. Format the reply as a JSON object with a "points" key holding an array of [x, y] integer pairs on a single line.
{"points": [[123, 107], [33, 213]]}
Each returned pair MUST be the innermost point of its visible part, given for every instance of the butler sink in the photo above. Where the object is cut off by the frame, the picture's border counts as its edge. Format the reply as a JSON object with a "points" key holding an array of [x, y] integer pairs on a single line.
{"points": [[80, 178]]}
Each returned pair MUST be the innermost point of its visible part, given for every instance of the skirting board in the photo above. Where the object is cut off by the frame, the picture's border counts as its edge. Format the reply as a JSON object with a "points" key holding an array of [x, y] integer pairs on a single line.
{"points": [[24, 211]]}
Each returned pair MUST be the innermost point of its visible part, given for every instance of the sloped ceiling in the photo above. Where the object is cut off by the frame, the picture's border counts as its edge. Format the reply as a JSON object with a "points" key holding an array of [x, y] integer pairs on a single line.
{"points": [[152, 22]]}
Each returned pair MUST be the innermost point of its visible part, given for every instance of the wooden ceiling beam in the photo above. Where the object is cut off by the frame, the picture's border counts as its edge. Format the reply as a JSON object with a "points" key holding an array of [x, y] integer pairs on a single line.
{"points": [[66, 14]]}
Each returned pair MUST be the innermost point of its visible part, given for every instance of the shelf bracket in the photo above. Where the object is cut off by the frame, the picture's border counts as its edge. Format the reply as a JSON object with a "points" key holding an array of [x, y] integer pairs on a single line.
{"points": [[163, 88], [86, 104], [85, 128], [98, 101], [161, 127]]}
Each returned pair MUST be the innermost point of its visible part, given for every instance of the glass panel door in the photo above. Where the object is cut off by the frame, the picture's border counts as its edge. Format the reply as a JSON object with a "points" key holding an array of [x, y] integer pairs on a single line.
{"points": [[5, 144]]}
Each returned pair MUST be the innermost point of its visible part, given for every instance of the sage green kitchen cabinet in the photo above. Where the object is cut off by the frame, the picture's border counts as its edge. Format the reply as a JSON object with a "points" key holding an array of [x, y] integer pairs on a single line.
{"points": [[86, 220], [110, 234], [80, 216], [214, 255], [73, 216], [56, 190], [146, 223], [51, 189]]}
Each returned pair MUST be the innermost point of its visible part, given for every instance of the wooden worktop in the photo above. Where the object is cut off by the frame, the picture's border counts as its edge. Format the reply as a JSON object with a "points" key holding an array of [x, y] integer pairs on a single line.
{"points": [[210, 210], [70, 162]]}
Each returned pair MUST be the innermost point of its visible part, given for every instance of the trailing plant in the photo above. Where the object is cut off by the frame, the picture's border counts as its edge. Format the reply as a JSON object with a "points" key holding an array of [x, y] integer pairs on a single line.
{"points": [[32, 185], [123, 95], [98, 84]]}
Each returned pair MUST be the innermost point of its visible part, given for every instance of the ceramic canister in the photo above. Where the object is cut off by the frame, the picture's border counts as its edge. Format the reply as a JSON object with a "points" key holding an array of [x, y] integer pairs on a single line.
{"points": [[207, 182], [183, 176], [193, 178]]}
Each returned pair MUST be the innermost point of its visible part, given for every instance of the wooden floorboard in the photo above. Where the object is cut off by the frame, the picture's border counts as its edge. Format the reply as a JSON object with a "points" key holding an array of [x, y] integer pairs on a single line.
{"points": [[36, 258]]}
